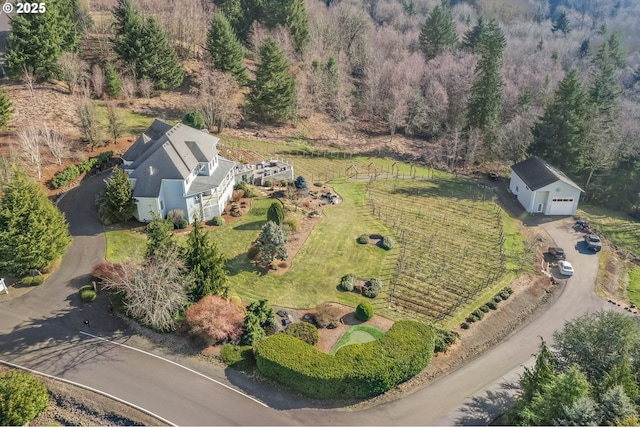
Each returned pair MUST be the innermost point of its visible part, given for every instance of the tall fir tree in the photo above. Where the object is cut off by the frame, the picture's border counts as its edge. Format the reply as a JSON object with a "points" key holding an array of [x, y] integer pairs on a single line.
{"points": [[484, 109], [617, 49], [272, 243], [225, 49], [273, 92], [143, 45], [472, 36], [605, 89], [6, 109], [558, 136], [438, 32], [291, 14], [113, 84], [116, 202], [160, 239], [33, 232], [37, 40], [206, 264], [561, 23]]}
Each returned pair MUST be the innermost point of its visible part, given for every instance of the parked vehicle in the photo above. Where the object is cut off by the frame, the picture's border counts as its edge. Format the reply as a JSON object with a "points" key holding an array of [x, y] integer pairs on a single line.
{"points": [[565, 268], [494, 176], [593, 242], [583, 226], [557, 253]]}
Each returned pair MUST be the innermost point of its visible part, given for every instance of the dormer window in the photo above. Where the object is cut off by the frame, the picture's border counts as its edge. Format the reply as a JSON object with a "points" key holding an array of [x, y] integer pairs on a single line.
{"points": [[202, 169]]}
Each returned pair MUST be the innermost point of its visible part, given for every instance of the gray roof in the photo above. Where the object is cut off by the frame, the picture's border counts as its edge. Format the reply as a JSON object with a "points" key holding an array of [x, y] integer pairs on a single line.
{"points": [[536, 173], [203, 183], [173, 154]]}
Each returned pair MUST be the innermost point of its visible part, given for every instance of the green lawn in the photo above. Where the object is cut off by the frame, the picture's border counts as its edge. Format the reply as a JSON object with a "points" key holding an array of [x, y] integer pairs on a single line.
{"points": [[358, 334], [633, 290], [125, 244], [133, 123], [618, 227]]}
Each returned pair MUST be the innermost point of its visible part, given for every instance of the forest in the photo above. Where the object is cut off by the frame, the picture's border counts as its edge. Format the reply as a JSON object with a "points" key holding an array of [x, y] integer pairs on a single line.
{"points": [[477, 84]]}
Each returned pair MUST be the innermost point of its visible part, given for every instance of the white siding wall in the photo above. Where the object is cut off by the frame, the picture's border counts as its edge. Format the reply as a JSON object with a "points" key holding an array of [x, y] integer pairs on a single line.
{"points": [[561, 192], [519, 189], [145, 207]]}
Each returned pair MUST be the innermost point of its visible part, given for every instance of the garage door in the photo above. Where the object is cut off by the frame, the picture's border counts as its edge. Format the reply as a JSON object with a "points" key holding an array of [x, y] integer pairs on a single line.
{"points": [[561, 207]]}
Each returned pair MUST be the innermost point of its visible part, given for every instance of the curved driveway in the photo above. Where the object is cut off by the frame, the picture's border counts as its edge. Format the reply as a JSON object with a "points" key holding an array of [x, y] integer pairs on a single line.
{"points": [[44, 330]]}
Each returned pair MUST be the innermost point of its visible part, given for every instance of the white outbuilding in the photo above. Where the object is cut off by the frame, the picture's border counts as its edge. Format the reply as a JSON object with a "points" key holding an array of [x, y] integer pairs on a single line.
{"points": [[542, 188]]}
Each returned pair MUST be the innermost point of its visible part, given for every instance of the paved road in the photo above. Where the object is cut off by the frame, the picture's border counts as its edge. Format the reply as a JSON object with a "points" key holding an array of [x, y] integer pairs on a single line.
{"points": [[44, 330]]}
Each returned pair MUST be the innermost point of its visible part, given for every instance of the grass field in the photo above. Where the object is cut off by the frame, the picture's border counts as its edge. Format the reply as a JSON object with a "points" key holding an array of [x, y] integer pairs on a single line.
{"points": [[125, 244], [133, 123], [621, 229], [633, 290], [358, 334]]}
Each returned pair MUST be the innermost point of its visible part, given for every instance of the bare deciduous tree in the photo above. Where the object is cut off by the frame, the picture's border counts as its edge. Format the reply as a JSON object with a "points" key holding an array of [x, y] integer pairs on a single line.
{"points": [[154, 291], [115, 121], [29, 79], [145, 88], [217, 93], [29, 143], [72, 69], [128, 87], [97, 80], [89, 123], [55, 141]]}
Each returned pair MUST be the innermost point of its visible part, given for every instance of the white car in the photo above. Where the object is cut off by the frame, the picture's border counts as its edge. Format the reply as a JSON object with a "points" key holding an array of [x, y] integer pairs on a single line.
{"points": [[566, 268]]}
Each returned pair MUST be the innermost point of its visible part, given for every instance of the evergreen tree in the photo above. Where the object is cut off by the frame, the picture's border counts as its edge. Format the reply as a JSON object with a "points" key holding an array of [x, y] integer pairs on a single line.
{"points": [[617, 49], [438, 32], [291, 14], [33, 232], [615, 406], [160, 239], [195, 120], [484, 109], [206, 264], [6, 109], [225, 49], [558, 135], [253, 332], [273, 92], [585, 48], [581, 413], [37, 40], [271, 243], [471, 38], [116, 201], [561, 23], [605, 89], [276, 213], [113, 85], [143, 46]]}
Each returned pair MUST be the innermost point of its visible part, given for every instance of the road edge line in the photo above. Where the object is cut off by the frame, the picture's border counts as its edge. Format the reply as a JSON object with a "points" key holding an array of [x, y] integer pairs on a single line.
{"points": [[193, 371], [95, 390]]}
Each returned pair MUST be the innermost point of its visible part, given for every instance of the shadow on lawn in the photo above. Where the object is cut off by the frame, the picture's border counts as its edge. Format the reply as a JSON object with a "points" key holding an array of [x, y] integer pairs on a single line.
{"points": [[241, 263], [255, 225]]}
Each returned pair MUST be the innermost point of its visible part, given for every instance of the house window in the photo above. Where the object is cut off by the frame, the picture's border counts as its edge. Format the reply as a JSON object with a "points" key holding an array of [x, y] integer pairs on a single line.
{"points": [[161, 204], [539, 207], [517, 188], [202, 168]]}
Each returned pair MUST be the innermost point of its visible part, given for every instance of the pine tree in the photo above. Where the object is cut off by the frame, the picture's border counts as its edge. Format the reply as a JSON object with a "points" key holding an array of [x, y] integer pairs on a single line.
{"points": [[206, 264], [143, 45], [225, 49], [484, 109], [472, 36], [617, 49], [273, 92], [558, 135], [6, 109], [291, 14], [271, 243], [585, 48], [561, 23], [37, 41], [276, 213], [116, 201], [33, 232], [113, 86], [160, 239], [438, 32], [605, 89]]}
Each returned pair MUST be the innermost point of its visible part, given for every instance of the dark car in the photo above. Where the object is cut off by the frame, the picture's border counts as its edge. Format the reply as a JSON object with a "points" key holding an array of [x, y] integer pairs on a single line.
{"points": [[583, 226], [593, 242], [557, 253]]}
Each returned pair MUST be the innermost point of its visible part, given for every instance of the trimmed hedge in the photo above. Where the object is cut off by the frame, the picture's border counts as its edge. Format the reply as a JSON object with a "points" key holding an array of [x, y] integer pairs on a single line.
{"points": [[238, 357], [33, 280], [364, 311], [71, 172], [304, 331], [355, 371]]}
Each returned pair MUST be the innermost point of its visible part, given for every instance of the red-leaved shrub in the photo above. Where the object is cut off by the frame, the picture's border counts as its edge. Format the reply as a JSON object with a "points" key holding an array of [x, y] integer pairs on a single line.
{"points": [[214, 319], [108, 271]]}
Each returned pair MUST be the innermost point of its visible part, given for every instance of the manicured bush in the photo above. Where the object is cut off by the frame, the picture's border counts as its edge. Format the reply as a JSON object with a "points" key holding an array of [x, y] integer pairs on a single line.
{"points": [[492, 305], [444, 339], [318, 184], [301, 183], [387, 243], [176, 216], [464, 325], [364, 311], [22, 398], [33, 280], [347, 282], [508, 290], [267, 183], [195, 120], [69, 173], [238, 357], [328, 315], [478, 313], [497, 299], [304, 331], [485, 309], [373, 288], [87, 293], [355, 371], [504, 295], [182, 224], [217, 221], [236, 300], [472, 318], [363, 239]]}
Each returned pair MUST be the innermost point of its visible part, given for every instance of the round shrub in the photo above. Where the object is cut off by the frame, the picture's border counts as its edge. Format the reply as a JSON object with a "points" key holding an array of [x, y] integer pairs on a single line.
{"points": [[182, 224], [195, 120], [22, 398], [217, 221], [33, 280], [504, 295], [472, 318], [238, 357], [267, 183], [444, 339], [364, 311], [492, 305], [87, 294], [304, 331], [464, 325], [347, 282], [485, 309], [363, 239], [497, 299], [478, 313], [387, 243], [373, 288], [236, 300]]}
